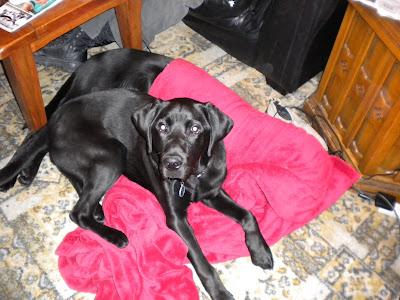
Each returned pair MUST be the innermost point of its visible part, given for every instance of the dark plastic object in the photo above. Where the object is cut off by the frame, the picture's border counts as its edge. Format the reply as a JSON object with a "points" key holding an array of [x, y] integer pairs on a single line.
{"points": [[385, 201], [289, 41]]}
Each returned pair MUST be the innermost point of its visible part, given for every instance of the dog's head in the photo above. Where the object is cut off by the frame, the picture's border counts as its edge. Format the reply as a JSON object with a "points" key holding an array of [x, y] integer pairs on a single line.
{"points": [[181, 131]]}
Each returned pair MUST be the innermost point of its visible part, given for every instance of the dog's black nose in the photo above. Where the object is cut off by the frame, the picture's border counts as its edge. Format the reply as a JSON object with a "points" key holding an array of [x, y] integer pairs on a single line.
{"points": [[172, 163]]}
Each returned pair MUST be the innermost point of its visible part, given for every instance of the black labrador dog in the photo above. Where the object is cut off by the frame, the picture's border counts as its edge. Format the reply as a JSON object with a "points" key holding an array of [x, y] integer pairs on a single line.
{"points": [[172, 148]]}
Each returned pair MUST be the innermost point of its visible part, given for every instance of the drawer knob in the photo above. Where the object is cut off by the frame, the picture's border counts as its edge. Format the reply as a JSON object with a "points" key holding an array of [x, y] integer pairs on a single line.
{"points": [[379, 113], [360, 88], [345, 66]]}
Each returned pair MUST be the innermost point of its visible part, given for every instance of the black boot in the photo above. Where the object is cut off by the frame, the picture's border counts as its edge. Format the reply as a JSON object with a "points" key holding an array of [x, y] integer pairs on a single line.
{"points": [[105, 37], [67, 52]]}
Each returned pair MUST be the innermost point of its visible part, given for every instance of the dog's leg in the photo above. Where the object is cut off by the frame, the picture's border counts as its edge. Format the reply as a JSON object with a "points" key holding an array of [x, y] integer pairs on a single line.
{"points": [[99, 214], [177, 221], [95, 169], [33, 146], [85, 210], [83, 214], [30, 171], [259, 250]]}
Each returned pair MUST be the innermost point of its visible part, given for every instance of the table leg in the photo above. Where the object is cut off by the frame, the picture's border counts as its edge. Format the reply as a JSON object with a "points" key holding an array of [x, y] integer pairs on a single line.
{"points": [[22, 74], [128, 16]]}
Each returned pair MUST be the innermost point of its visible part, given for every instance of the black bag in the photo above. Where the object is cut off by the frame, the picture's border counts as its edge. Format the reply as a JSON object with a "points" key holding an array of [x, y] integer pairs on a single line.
{"points": [[241, 17]]}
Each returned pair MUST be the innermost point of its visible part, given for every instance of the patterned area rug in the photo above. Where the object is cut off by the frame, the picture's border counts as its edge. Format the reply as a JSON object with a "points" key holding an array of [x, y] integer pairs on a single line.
{"points": [[351, 251]]}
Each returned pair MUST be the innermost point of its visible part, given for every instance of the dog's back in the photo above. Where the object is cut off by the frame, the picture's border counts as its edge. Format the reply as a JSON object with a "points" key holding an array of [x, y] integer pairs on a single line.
{"points": [[120, 68], [109, 111]]}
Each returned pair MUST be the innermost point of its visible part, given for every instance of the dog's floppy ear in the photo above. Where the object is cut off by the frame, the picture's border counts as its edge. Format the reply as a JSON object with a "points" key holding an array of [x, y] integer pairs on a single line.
{"points": [[220, 125], [144, 118]]}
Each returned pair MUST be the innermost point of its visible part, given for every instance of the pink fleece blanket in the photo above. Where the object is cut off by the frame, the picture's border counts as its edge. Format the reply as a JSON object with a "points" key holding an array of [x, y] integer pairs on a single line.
{"points": [[275, 169]]}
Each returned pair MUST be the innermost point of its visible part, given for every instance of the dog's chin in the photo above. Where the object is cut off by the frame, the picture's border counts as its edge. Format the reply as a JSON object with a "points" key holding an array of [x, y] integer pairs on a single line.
{"points": [[175, 175]]}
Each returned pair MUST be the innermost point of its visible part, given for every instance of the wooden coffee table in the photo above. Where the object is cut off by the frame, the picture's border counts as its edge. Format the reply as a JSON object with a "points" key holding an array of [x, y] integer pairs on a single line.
{"points": [[17, 48]]}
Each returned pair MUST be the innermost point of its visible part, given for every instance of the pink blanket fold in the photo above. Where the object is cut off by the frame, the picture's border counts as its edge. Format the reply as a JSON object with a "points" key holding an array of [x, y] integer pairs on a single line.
{"points": [[276, 170]]}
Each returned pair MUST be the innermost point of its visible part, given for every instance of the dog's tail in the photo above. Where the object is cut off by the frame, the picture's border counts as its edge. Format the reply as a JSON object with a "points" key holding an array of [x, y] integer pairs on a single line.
{"points": [[59, 98], [26, 160], [28, 173]]}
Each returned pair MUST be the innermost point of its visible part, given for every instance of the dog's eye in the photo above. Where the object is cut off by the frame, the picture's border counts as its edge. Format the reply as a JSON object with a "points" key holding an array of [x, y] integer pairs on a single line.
{"points": [[163, 128], [195, 129]]}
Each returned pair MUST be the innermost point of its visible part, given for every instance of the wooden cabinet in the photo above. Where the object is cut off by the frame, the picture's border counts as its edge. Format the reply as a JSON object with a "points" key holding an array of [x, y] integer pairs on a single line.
{"points": [[359, 94]]}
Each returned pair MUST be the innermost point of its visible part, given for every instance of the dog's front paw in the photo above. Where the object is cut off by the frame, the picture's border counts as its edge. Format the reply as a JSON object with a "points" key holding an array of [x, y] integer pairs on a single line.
{"points": [[118, 238], [4, 187], [98, 214], [263, 258], [260, 252]]}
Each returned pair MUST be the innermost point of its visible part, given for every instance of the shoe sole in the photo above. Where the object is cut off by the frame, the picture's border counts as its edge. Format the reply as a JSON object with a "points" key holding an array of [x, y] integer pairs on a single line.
{"points": [[64, 64]]}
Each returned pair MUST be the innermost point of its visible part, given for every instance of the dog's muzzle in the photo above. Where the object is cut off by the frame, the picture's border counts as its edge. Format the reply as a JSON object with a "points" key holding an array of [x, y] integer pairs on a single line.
{"points": [[172, 163], [173, 166]]}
